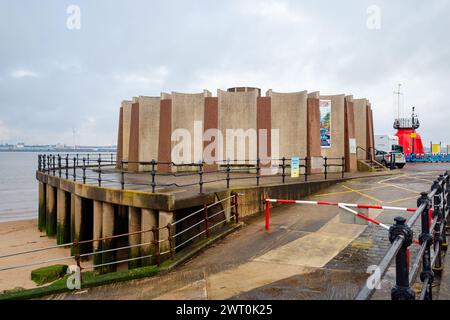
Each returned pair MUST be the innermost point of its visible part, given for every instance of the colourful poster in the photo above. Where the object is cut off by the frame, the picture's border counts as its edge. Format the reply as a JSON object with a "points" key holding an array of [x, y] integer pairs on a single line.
{"points": [[295, 167], [325, 123]]}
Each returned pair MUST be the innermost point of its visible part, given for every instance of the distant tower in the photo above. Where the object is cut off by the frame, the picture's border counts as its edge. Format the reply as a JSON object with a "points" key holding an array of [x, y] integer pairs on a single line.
{"points": [[407, 130]]}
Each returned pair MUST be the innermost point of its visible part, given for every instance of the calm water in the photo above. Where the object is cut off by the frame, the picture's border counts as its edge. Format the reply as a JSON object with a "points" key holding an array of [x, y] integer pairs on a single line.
{"points": [[18, 186]]}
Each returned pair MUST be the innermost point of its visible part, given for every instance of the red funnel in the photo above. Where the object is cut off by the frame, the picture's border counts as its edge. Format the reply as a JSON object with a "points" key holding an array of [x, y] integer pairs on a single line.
{"points": [[405, 140]]}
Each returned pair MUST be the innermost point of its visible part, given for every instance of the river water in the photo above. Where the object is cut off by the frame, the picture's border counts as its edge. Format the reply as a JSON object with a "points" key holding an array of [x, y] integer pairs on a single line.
{"points": [[18, 186]]}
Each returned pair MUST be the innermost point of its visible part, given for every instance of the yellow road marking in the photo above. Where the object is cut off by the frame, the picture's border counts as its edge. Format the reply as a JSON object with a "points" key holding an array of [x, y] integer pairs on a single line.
{"points": [[402, 188], [344, 192], [363, 194], [401, 200]]}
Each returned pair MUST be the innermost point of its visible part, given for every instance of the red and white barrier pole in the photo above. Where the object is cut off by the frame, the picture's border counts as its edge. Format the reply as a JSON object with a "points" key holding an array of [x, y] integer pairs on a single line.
{"points": [[360, 215], [336, 204]]}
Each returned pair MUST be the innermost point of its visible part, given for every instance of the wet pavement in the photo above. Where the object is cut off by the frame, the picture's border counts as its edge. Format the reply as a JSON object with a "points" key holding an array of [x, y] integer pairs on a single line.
{"points": [[308, 254]]}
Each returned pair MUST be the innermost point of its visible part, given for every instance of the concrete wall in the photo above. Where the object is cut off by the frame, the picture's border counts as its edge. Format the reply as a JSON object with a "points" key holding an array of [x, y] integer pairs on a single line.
{"points": [[148, 129], [289, 116], [237, 110], [126, 107], [337, 149], [360, 112], [350, 155], [186, 110]]}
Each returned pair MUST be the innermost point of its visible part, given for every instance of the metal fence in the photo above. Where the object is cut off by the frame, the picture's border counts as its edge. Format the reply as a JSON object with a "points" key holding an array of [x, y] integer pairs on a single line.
{"points": [[201, 224], [106, 169], [433, 211]]}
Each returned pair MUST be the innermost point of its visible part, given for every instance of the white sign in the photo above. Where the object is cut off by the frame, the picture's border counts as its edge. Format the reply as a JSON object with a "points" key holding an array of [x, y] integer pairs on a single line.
{"points": [[352, 146]]}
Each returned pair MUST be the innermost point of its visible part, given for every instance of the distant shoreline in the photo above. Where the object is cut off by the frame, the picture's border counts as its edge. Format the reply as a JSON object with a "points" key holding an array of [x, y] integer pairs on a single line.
{"points": [[60, 150]]}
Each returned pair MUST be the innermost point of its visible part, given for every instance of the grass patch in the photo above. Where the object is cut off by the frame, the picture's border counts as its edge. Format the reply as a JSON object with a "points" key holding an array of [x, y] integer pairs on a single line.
{"points": [[48, 274]]}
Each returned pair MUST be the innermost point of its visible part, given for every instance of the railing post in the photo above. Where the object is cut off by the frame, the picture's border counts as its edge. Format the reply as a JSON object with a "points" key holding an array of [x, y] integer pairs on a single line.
{"points": [[326, 166], [153, 173], [155, 232], [84, 170], [53, 165], [283, 168], [258, 170], [59, 165], [88, 160], [402, 290], [170, 239], [67, 166], [447, 197], [426, 237], [76, 249], [43, 163], [306, 169], [236, 207], [39, 162], [49, 163], [74, 169], [443, 180], [122, 176], [228, 173], [343, 167], [99, 171], [205, 217], [200, 176], [437, 213]]}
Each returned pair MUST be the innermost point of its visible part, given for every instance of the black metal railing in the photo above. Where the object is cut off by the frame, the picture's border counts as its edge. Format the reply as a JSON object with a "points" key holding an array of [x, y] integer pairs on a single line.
{"points": [[104, 169], [433, 211]]}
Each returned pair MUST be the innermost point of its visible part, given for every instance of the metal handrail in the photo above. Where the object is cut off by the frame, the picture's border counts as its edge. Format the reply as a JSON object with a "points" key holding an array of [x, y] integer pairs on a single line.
{"points": [[68, 168], [437, 199]]}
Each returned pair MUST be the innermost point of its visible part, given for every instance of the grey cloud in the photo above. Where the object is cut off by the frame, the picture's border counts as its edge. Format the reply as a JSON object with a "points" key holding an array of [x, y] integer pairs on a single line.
{"points": [[129, 48]]}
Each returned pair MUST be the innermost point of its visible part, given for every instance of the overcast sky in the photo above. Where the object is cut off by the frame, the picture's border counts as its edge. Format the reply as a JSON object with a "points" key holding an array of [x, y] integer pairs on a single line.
{"points": [[54, 79]]}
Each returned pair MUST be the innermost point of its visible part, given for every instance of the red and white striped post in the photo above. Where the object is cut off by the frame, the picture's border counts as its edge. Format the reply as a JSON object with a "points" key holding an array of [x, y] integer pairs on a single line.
{"points": [[267, 214]]}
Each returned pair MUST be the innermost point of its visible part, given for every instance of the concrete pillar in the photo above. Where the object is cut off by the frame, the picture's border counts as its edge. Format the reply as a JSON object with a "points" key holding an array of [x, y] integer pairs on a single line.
{"points": [[119, 153], [50, 218], [62, 220], [108, 231], [134, 225], [149, 219], [72, 217], [314, 151], [165, 134], [164, 218], [97, 234], [42, 189], [133, 151], [76, 217]]}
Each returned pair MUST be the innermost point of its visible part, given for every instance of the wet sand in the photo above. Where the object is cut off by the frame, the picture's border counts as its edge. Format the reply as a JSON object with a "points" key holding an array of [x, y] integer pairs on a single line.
{"points": [[20, 236]]}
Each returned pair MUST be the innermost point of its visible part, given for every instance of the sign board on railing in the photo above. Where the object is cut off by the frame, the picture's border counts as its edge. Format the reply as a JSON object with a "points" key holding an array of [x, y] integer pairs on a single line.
{"points": [[295, 167]]}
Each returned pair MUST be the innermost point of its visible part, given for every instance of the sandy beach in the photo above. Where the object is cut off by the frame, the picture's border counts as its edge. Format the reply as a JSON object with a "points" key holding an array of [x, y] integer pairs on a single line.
{"points": [[21, 236]]}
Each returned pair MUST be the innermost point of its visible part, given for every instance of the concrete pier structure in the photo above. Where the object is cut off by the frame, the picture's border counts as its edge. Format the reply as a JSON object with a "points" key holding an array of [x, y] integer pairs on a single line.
{"points": [[150, 128]]}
